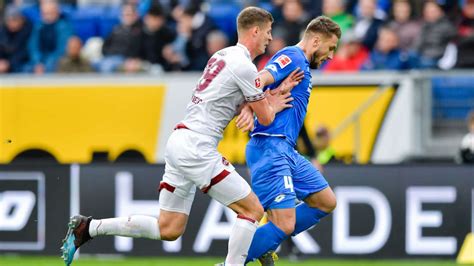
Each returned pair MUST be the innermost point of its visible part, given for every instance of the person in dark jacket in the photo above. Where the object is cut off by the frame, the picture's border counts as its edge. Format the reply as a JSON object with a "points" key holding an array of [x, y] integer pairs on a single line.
{"points": [[466, 36], [295, 19], [72, 62], [367, 25], [124, 42], [193, 27], [49, 39], [156, 34], [436, 32], [14, 36], [386, 55]]}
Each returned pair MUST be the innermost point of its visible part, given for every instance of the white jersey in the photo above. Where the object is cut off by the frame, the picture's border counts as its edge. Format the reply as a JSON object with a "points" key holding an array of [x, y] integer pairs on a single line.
{"points": [[229, 78]]}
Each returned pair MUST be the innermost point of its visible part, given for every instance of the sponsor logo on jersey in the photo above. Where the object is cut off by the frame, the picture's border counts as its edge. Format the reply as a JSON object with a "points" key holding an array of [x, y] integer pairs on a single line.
{"points": [[283, 61], [257, 82], [280, 198]]}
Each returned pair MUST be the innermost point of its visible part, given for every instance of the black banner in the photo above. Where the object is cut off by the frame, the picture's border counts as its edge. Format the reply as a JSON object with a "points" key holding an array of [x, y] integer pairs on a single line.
{"points": [[383, 211]]}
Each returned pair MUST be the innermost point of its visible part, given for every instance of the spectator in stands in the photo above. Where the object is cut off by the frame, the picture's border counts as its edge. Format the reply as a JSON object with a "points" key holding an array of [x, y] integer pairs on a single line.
{"points": [[124, 42], [278, 43], [155, 36], [437, 31], [73, 62], [335, 10], [467, 144], [386, 54], [402, 23], [367, 25], [294, 20], [465, 57], [325, 154], [48, 39], [14, 36], [350, 55], [193, 27], [216, 40]]}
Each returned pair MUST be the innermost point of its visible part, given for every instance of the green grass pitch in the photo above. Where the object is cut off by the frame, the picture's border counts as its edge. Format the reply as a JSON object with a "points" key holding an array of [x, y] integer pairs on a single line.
{"points": [[97, 261]]}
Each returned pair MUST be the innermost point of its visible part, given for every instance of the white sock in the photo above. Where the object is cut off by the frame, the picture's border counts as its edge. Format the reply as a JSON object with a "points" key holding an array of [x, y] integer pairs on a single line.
{"points": [[240, 240], [136, 226]]}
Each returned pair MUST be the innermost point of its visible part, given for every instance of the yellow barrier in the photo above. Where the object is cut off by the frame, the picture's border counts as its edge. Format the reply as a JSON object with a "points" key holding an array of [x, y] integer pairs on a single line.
{"points": [[72, 122]]}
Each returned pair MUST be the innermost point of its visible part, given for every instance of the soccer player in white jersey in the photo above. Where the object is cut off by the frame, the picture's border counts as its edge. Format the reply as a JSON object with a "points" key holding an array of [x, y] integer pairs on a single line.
{"points": [[192, 160]]}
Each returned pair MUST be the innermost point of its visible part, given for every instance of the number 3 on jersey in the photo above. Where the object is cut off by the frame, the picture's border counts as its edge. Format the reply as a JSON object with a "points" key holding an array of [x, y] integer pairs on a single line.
{"points": [[212, 69]]}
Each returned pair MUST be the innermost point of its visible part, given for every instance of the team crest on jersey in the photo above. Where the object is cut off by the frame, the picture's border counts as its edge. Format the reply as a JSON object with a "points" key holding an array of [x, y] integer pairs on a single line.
{"points": [[224, 161], [283, 61], [257, 82]]}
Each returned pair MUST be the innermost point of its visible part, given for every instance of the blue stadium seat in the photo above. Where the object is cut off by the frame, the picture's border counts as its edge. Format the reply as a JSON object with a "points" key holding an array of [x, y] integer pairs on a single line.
{"points": [[453, 97], [225, 15]]}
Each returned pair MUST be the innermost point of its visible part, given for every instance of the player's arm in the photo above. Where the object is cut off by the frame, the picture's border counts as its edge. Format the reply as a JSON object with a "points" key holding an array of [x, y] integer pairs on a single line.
{"points": [[263, 104], [283, 69]]}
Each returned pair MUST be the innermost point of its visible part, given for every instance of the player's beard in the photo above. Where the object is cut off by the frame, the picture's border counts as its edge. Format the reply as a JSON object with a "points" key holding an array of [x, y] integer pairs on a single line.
{"points": [[315, 62]]}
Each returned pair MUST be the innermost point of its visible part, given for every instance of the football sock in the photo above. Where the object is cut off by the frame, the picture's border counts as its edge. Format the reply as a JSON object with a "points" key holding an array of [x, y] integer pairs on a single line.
{"points": [[267, 237], [136, 226], [239, 240], [307, 217]]}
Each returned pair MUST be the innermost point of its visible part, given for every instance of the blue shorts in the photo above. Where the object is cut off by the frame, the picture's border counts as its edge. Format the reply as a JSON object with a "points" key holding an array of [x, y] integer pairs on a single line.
{"points": [[280, 175]]}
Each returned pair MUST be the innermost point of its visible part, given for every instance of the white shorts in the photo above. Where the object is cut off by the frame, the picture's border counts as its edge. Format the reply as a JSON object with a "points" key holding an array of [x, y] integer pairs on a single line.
{"points": [[192, 160]]}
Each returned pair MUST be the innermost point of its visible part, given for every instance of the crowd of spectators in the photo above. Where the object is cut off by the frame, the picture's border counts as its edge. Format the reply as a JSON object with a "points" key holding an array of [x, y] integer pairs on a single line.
{"points": [[43, 36]]}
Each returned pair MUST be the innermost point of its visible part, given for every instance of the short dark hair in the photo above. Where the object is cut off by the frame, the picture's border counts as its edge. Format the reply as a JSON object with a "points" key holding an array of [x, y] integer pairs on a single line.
{"points": [[156, 11], [253, 16], [325, 26]]}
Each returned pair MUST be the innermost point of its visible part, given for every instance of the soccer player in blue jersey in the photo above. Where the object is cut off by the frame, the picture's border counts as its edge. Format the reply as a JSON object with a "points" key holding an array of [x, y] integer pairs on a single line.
{"points": [[280, 175]]}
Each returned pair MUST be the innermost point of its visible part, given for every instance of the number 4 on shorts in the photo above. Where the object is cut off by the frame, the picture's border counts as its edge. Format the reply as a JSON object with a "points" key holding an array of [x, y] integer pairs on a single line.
{"points": [[288, 182]]}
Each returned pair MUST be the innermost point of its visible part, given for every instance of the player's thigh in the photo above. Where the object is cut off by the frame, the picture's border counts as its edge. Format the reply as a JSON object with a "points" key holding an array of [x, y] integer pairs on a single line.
{"points": [[233, 191], [175, 201], [324, 200], [284, 219], [195, 156], [176, 192], [270, 171], [306, 179]]}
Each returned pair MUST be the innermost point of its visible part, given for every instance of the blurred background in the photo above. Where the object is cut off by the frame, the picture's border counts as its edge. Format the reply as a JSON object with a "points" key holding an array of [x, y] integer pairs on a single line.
{"points": [[90, 91]]}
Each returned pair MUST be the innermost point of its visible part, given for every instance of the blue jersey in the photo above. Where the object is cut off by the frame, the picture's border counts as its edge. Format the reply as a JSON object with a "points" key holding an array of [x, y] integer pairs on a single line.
{"points": [[288, 122]]}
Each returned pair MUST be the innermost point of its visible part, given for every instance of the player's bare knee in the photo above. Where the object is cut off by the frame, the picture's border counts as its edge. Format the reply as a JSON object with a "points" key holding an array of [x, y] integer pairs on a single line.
{"points": [[329, 205], [254, 212], [286, 226]]}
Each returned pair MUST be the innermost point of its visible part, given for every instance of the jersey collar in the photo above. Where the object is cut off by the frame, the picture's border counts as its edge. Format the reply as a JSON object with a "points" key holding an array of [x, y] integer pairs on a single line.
{"points": [[246, 50]]}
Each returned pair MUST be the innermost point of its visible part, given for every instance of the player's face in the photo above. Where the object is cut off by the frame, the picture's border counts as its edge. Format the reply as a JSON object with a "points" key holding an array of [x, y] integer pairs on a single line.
{"points": [[264, 37], [324, 52]]}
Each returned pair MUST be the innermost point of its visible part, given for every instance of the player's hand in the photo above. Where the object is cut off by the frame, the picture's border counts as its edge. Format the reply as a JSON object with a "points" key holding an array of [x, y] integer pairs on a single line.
{"points": [[290, 82], [245, 120], [279, 101]]}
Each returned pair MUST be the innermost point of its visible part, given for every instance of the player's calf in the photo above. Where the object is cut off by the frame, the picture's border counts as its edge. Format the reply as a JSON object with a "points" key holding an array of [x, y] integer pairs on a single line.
{"points": [[172, 225]]}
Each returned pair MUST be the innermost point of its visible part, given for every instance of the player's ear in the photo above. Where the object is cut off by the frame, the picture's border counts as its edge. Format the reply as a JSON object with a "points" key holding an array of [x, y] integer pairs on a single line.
{"points": [[316, 40], [255, 30]]}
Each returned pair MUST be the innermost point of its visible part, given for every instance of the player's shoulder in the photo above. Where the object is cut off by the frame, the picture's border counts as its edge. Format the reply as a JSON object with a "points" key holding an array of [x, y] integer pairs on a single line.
{"points": [[235, 57], [288, 55]]}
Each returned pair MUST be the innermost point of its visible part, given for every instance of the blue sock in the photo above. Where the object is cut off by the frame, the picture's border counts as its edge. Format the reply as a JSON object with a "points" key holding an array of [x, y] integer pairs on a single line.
{"points": [[267, 237], [307, 217]]}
